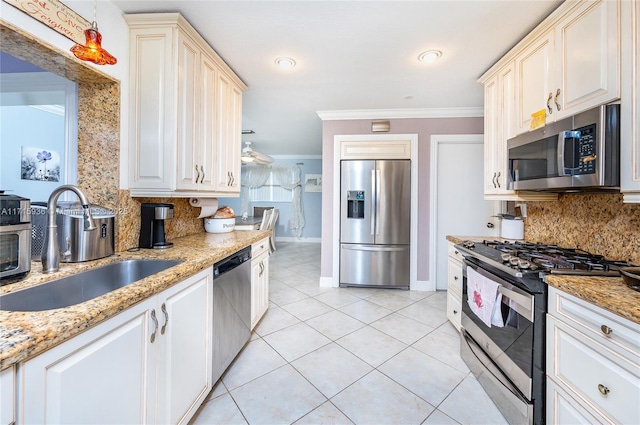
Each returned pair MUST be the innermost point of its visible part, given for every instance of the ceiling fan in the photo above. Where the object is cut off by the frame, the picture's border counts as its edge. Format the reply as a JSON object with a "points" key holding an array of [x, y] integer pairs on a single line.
{"points": [[249, 155]]}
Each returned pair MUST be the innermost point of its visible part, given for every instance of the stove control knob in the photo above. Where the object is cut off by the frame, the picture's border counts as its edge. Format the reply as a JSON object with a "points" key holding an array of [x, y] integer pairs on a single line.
{"points": [[505, 256], [514, 261]]}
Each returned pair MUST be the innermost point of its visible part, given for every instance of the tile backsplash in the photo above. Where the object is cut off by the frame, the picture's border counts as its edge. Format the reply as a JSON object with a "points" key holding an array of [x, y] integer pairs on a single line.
{"points": [[597, 223]]}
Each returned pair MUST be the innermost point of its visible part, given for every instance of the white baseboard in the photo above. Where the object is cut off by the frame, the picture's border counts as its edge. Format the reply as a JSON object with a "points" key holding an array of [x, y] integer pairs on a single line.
{"points": [[294, 239], [327, 282], [423, 285]]}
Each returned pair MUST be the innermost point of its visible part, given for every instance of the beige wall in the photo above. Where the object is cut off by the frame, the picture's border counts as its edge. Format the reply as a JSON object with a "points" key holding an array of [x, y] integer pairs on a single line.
{"points": [[424, 128]]}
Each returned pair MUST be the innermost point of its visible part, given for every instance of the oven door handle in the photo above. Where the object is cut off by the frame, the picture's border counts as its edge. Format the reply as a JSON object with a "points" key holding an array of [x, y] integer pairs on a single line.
{"points": [[493, 370]]}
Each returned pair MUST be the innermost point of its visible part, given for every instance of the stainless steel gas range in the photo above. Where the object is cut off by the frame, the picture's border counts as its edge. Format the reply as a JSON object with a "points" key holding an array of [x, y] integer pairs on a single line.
{"points": [[508, 358]]}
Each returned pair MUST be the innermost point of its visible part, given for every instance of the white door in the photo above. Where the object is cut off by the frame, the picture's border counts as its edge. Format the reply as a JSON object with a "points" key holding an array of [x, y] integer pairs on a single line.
{"points": [[459, 205]]}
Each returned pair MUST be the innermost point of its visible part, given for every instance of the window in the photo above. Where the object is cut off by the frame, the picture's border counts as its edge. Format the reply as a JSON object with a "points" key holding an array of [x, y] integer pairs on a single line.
{"points": [[270, 192]]}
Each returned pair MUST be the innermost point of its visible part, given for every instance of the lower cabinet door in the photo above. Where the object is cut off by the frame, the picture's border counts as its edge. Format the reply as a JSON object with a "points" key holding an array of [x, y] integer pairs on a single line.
{"points": [[562, 409], [101, 376], [185, 346], [259, 287], [454, 308]]}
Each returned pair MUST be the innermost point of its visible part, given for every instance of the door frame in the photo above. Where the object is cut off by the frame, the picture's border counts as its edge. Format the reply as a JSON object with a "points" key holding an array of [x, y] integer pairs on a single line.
{"points": [[436, 140], [414, 284]]}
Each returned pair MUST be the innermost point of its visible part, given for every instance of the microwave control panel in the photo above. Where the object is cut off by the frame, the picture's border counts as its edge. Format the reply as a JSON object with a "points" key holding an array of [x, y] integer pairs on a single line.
{"points": [[586, 150]]}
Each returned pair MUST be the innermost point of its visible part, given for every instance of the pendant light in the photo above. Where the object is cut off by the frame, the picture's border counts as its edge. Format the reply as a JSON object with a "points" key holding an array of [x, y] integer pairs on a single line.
{"points": [[92, 50]]}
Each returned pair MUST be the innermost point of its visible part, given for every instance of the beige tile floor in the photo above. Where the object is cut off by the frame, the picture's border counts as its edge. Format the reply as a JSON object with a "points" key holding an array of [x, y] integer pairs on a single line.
{"points": [[347, 356]]}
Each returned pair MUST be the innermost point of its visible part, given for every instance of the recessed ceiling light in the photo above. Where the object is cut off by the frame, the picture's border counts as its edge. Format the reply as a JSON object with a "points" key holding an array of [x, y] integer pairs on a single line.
{"points": [[285, 63], [430, 56]]}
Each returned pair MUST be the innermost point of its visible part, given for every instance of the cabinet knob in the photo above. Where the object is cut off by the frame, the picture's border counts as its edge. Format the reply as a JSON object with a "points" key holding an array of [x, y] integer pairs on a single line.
{"points": [[455, 278], [603, 390], [490, 225], [555, 99], [155, 325], [456, 252], [606, 330], [455, 311], [549, 103]]}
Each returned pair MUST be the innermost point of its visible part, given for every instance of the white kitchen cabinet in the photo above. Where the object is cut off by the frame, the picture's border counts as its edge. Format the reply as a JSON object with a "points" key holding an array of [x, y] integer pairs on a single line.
{"points": [[259, 280], [7, 396], [630, 103], [229, 114], [499, 126], [571, 67], [184, 133], [149, 364], [454, 287], [593, 358]]}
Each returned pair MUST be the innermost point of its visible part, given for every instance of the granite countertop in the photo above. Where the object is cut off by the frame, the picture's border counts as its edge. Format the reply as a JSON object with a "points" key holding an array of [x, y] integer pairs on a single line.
{"points": [[609, 293], [26, 334]]}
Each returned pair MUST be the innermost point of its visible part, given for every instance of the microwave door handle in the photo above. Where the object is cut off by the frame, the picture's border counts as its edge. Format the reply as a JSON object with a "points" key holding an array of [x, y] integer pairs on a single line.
{"points": [[562, 138]]}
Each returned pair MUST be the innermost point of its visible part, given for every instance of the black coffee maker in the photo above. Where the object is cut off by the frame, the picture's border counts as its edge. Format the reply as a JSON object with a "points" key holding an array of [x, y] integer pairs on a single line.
{"points": [[152, 217]]}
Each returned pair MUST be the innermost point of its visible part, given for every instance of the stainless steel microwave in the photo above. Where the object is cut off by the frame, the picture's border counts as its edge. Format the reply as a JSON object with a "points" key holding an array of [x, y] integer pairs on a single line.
{"points": [[578, 152]]}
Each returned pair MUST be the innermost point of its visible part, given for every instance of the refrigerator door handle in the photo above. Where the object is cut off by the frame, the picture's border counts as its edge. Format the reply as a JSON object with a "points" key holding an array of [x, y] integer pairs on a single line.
{"points": [[377, 201], [373, 202], [375, 248]]}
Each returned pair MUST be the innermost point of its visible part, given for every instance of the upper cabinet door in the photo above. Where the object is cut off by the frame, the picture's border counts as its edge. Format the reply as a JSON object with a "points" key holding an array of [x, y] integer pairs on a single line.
{"points": [[187, 113], [208, 116], [535, 81], [587, 54]]}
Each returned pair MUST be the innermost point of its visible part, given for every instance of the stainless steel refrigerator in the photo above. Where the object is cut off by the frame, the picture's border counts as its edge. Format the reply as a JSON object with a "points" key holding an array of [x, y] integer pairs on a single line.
{"points": [[375, 223]]}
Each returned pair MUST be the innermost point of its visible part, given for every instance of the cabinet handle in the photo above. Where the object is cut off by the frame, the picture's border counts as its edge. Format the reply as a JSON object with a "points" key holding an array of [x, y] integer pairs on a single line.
{"points": [[498, 179], [549, 103], [603, 390], [606, 330], [261, 269], [233, 179], [555, 99], [166, 318], [202, 178], [494, 180], [197, 174], [155, 325], [228, 178]]}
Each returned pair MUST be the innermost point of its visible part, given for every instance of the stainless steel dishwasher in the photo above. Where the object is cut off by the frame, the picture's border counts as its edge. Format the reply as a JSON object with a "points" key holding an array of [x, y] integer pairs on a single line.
{"points": [[231, 309]]}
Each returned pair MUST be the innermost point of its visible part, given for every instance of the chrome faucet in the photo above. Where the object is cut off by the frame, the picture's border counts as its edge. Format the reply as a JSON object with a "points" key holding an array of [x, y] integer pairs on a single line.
{"points": [[51, 249]]}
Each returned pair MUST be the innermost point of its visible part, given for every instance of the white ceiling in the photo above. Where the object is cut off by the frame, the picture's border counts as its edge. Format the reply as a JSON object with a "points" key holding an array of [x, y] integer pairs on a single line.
{"points": [[351, 55]]}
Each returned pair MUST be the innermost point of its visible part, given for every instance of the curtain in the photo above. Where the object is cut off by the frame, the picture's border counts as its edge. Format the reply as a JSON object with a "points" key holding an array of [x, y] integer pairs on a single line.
{"points": [[286, 176], [253, 176]]}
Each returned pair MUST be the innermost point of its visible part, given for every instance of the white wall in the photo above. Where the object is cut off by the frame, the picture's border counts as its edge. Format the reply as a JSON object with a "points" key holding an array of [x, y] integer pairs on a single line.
{"points": [[115, 39]]}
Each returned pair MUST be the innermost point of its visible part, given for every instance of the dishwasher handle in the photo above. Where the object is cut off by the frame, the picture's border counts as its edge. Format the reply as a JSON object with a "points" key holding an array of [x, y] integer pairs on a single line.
{"points": [[231, 262]]}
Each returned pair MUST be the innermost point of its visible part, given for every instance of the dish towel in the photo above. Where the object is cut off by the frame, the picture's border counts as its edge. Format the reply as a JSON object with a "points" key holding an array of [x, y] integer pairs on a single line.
{"points": [[484, 298]]}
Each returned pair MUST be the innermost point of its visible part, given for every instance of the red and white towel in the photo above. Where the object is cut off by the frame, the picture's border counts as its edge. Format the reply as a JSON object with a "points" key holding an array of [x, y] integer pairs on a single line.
{"points": [[484, 298]]}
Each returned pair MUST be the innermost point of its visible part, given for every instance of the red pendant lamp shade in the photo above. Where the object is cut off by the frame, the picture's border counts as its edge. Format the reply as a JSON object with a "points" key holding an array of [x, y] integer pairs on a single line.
{"points": [[92, 50]]}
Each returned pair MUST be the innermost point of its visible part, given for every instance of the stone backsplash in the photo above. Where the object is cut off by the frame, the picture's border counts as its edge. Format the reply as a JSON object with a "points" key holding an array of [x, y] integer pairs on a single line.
{"points": [[185, 219], [597, 223]]}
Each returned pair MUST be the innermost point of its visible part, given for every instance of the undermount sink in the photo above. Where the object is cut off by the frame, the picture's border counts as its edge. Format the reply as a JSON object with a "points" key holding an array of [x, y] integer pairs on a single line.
{"points": [[83, 286]]}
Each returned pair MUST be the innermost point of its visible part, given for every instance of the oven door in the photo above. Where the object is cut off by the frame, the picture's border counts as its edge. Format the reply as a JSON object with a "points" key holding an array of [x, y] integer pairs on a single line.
{"points": [[509, 347]]}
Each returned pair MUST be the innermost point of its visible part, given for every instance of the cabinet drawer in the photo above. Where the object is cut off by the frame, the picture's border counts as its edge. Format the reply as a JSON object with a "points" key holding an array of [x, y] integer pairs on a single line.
{"points": [[454, 309], [455, 276], [611, 330], [595, 374], [454, 253], [259, 247]]}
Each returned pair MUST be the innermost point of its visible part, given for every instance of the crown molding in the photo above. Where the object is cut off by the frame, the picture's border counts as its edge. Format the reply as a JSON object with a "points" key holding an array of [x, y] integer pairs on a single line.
{"points": [[367, 114]]}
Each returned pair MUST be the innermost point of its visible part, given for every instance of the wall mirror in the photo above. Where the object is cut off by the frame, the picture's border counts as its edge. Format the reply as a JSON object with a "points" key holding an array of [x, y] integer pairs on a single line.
{"points": [[38, 129]]}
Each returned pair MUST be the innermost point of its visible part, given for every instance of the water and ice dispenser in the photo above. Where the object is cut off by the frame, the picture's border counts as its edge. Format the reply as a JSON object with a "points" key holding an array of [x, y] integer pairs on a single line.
{"points": [[355, 204]]}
